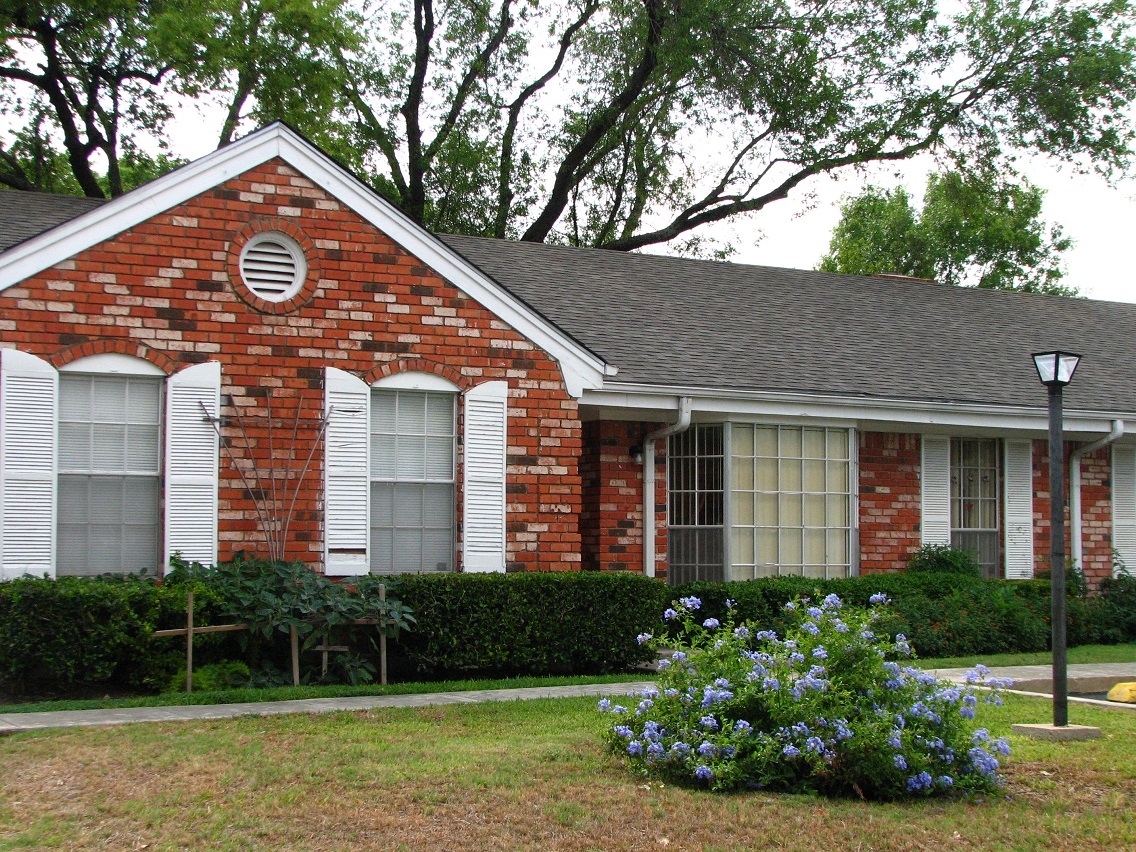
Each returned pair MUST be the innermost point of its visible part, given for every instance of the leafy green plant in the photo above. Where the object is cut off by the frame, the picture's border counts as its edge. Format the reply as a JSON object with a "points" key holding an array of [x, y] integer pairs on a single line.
{"points": [[228, 674], [825, 707], [944, 559]]}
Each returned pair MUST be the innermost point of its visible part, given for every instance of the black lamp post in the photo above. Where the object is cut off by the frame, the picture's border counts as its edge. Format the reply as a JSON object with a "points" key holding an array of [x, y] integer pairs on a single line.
{"points": [[1055, 369]]}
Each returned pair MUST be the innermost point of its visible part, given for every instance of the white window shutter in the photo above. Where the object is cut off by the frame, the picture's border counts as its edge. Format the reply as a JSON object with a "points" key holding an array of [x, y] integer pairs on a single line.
{"points": [[347, 474], [483, 526], [193, 400], [1018, 502], [29, 402], [936, 491], [1124, 504]]}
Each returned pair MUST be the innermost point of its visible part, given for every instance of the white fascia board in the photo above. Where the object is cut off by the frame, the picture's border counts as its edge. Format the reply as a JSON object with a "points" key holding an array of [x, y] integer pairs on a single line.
{"points": [[647, 402], [581, 368]]}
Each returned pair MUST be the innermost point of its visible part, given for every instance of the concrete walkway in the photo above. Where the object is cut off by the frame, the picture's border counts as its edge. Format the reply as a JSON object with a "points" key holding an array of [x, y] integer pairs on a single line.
{"points": [[1033, 680]]}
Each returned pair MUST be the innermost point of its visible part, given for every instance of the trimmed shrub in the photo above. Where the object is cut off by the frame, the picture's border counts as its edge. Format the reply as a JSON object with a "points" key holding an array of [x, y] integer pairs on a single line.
{"points": [[529, 623], [88, 630]]}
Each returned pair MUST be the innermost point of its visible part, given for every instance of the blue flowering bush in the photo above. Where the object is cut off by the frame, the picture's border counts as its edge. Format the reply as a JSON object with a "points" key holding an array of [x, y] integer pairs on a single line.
{"points": [[827, 707]]}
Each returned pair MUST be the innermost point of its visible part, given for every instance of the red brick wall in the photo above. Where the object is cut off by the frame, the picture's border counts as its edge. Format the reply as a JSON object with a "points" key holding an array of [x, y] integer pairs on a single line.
{"points": [[164, 290], [1096, 512], [890, 512], [612, 524]]}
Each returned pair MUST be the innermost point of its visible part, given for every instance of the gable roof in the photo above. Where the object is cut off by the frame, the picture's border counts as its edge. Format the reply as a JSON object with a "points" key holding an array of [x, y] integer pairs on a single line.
{"points": [[581, 368], [689, 324]]}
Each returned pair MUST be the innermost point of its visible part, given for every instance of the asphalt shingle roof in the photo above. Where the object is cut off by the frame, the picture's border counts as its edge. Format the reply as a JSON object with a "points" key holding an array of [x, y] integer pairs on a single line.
{"points": [[25, 214], [674, 322], [677, 322]]}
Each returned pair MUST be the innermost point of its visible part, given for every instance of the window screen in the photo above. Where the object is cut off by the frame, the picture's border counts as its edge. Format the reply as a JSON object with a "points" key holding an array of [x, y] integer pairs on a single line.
{"points": [[109, 473], [412, 481], [975, 500], [696, 507]]}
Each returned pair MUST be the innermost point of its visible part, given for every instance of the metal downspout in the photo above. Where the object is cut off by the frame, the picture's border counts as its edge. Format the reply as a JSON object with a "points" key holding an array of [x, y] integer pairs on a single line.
{"points": [[680, 425], [1075, 489]]}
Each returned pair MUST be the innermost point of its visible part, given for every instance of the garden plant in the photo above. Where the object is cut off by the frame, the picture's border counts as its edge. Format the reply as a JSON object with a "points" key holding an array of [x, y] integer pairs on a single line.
{"points": [[827, 707]]}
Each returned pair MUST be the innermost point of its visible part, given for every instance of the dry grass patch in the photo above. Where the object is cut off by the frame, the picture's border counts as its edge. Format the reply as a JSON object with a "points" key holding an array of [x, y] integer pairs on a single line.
{"points": [[527, 775]]}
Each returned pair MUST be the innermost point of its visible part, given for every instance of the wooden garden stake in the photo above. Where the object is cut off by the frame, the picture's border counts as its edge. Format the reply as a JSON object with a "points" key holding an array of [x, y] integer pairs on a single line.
{"points": [[295, 655], [189, 642], [382, 640]]}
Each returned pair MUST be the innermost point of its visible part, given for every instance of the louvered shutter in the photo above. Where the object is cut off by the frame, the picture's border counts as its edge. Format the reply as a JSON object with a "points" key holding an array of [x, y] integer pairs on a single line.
{"points": [[1124, 504], [193, 396], [29, 400], [483, 527], [1018, 502], [936, 490], [347, 485]]}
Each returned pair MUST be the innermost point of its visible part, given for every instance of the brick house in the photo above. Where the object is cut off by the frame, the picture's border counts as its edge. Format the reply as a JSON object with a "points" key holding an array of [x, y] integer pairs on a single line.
{"points": [[256, 351]]}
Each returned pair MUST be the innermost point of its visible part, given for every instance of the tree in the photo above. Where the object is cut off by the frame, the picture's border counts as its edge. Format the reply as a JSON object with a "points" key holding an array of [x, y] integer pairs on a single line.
{"points": [[98, 77], [636, 122], [977, 229], [629, 123]]}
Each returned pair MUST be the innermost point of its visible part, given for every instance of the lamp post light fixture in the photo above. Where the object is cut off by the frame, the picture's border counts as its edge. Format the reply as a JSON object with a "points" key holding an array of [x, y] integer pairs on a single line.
{"points": [[1055, 369]]}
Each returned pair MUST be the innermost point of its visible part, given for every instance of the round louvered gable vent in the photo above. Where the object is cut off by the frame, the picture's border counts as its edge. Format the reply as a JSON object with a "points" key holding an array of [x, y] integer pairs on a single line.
{"points": [[273, 267]]}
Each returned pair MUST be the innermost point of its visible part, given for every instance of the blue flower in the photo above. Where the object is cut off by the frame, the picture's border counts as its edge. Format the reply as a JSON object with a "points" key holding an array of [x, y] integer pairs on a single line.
{"points": [[643, 637], [690, 603], [669, 614], [703, 773], [742, 725], [622, 731], [791, 751], [655, 751], [678, 656], [711, 623], [815, 612], [839, 626], [894, 740], [815, 744], [618, 708], [730, 604], [707, 749], [790, 606], [796, 657], [741, 632], [820, 653], [635, 748], [919, 782], [680, 748], [878, 598], [810, 628], [900, 761], [831, 602], [709, 722], [771, 684], [604, 705], [721, 683], [662, 664], [945, 781]]}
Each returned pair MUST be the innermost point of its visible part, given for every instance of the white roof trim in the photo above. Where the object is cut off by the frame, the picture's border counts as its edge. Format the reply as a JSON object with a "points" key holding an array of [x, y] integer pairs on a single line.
{"points": [[872, 413], [581, 368]]}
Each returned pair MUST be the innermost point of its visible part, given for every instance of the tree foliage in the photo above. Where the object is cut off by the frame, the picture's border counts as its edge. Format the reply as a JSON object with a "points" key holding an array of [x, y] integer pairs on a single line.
{"points": [[977, 229], [620, 124]]}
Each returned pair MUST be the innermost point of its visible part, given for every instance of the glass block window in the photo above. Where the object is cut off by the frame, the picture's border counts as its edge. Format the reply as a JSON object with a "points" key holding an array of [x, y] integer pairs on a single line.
{"points": [[109, 473], [975, 490], [790, 501], [696, 505], [412, 481]]}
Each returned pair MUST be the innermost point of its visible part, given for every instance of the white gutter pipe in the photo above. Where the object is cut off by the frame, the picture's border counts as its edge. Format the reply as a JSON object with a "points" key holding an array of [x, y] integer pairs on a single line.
{"points": [[680, 425], [1075, 489]]}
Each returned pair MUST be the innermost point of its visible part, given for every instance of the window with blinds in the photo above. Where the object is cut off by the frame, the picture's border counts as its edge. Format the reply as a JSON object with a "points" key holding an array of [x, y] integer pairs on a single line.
{"points": [[412, 481], [109, 473], [696, 505]]}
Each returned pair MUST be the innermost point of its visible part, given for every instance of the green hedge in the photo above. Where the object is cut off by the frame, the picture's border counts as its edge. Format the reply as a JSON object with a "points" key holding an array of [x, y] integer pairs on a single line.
{"points": [[943, 614], [89, 630], [529, 623]]}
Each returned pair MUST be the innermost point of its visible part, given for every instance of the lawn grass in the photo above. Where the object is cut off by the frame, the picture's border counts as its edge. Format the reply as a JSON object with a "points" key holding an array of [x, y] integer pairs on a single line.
{"points": [[1081, 654], [291, 693], [523, 775]]}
